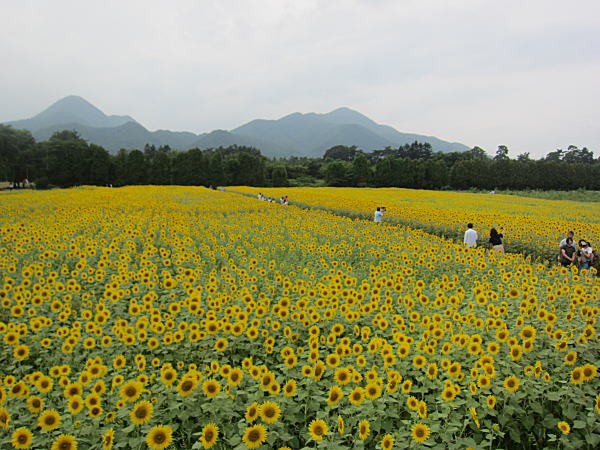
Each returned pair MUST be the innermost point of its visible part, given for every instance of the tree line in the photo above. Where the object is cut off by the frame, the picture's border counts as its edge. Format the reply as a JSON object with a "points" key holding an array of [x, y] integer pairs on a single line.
{"points": [[65, 159]]}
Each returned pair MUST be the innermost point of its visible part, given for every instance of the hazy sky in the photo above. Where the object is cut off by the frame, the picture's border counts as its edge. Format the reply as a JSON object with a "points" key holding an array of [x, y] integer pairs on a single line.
{"points": [[521, 73]]}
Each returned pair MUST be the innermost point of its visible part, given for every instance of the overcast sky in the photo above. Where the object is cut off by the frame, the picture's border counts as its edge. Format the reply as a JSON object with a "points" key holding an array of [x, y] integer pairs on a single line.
{"points": [[519, 73]]}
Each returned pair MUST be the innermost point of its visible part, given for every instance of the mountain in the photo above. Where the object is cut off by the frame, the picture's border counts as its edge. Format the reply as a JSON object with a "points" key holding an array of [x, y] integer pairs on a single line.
{"points": [[311, 134], [71, 109], [293, 135]]}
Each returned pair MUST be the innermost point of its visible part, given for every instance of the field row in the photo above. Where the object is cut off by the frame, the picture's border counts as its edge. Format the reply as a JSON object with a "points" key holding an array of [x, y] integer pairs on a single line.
{"points": [[533, 226]]}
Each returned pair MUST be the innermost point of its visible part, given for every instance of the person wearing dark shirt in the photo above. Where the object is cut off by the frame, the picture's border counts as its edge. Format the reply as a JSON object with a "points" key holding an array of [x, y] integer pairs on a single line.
{"points": [[496, 241], [567, 253]]}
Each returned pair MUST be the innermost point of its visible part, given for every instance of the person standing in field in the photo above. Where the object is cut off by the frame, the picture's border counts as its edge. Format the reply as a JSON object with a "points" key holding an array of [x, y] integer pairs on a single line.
{"points": [[567, 253], [586, 254], [471, 236], [378, 215], [570, 234], [496, 241]]}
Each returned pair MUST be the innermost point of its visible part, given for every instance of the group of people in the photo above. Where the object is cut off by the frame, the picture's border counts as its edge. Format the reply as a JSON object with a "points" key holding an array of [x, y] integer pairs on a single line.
{"points": [[582, 255], [283, 200], [495, 240]]}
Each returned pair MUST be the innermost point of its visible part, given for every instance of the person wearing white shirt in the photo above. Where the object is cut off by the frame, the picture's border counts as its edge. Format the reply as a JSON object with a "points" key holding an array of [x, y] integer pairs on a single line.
{"points": [[378, 215], [471, 236]]}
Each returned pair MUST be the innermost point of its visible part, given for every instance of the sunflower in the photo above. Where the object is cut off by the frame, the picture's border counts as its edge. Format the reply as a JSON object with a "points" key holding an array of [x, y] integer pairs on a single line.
{"points": [[336, 394], [168, 376], [269, 412], [95, 412], [21, 438], [491, 401], [570, 358], [483, 381], [131, 391], [342, 376], [564, 427], [44, 384], [449, 393], [235, 376], [221, 345], [364, 429], [75, 404], [419, 362], [159, 437], [420, 432], [209, 435], [318, 429], [141, 412], [511, 384], [92, 400], [357, 396], [589, 372], [432, 371], [387, 443], [21, 352], [289, 388], [186, 386], [473, 412], [412, 403], [577, 375], [333, 360], [528, 333], [35, 404], [422, 410], [108, 439], [49, 420], [64, 442], [340, 424], [252, 412], [516, 352], [4, 418], [255, 436], [211, 388], [373, 391]]}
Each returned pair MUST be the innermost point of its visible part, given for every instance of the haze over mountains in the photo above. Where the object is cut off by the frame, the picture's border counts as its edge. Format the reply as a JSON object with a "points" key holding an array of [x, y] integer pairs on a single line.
{"points": [[293, 135]]}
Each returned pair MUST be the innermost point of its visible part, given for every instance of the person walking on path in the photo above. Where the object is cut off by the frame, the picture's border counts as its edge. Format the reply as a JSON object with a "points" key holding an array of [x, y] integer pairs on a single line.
{"points": [[471, 236]]}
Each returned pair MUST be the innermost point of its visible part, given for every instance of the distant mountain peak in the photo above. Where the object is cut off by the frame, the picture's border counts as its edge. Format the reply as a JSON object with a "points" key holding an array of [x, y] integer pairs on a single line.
{"points": [[72, 109]]}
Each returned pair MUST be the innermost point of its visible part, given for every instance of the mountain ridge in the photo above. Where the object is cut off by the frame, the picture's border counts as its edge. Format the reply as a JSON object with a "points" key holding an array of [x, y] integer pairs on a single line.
{"points": [[296, 134]]}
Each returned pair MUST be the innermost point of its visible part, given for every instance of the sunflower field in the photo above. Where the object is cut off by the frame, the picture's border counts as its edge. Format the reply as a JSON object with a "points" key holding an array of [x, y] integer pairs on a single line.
{"points": [[187, 318], [531, 226]]}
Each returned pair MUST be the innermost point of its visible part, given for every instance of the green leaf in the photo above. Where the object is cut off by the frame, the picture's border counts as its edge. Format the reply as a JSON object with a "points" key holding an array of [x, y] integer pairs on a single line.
{"points": [[515, 435]]}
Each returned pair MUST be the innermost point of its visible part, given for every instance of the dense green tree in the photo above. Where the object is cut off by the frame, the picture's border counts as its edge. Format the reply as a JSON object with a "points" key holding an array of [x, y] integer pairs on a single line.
{"points": [[341, 152], [338, 173], [361, 171], [415, 150], [159, 166], [501, 153], [13, 143], [136, 170], [216, 170], [279, 176], [576, 155], [384, 172]]}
